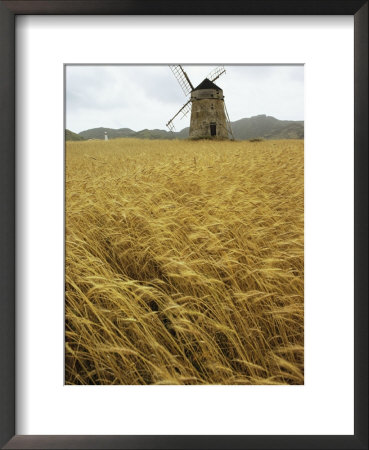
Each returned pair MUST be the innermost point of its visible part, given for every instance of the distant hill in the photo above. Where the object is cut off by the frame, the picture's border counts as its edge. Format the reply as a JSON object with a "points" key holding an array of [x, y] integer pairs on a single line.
{"points": [[262, 126], [70, 136], [99, 133], [267, 127]]}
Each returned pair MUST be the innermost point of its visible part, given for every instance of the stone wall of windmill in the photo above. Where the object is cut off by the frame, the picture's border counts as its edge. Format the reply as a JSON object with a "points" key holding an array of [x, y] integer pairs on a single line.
{"points": [[208, 118]]}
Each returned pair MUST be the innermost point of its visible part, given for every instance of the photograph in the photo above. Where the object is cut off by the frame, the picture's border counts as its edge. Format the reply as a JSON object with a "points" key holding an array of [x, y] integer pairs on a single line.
{"points": [[184, 224]]}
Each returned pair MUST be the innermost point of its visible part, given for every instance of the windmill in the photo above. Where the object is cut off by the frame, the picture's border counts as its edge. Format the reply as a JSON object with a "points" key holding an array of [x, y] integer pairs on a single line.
{"points": [[209, 116]]}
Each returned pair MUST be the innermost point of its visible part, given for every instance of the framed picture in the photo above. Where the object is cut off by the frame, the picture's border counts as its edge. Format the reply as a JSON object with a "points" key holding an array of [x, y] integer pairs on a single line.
{"points": [[214, 342]]}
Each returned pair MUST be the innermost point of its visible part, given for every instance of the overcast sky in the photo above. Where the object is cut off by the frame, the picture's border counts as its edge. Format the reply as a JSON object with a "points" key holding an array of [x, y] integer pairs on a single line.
{"points": [[140, 97]]}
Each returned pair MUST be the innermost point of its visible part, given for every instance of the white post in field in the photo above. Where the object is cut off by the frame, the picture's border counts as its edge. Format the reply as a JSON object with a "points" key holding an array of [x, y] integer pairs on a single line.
{"points": [[106, 136]]}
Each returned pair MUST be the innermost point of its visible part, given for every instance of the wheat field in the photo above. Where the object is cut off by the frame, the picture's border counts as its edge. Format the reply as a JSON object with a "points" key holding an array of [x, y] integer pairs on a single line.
{"points": [[184, 262]]}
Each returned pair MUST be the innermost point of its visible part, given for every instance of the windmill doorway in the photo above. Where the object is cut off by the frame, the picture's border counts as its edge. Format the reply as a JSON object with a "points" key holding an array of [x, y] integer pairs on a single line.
{"points": [[213, 129]]}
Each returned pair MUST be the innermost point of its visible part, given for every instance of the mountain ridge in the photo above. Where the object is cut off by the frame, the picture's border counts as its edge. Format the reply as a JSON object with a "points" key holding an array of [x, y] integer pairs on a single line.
{"points": [[255, 127]]}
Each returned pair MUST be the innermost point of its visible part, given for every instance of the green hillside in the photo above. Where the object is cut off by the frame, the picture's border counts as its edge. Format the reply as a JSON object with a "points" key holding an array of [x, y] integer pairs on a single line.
{"points": [[99, 133], [70, 136], [267, 127], [262, 126]]}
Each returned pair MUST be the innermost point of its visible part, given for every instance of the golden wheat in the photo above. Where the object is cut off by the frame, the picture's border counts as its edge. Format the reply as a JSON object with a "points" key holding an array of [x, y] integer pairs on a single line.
{"points": [[184, 262]]}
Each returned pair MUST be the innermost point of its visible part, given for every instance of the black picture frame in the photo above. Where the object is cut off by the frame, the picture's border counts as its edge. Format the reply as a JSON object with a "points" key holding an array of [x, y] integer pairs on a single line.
{"points": [[8, 11]]}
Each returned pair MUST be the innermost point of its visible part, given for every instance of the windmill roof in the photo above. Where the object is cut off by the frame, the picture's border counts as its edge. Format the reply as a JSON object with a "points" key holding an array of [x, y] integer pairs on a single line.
{"points": [[207, 84]]}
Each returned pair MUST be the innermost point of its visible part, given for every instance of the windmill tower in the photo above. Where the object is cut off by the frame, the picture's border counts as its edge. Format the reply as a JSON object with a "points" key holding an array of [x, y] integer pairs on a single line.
{"points": [[209, 117]]}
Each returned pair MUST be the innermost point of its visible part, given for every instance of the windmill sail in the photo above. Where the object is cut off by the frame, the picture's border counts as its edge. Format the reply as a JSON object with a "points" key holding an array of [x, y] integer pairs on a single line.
{"points": [[229, 127], [216, 73], [182, 79], [186, 108]]}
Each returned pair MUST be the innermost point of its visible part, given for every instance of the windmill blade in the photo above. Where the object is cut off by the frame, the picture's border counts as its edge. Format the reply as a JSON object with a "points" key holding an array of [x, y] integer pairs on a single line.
{"points": [[182, 79], [186, 108], [171, 126], [216, 73], [229, 127]]}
